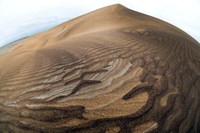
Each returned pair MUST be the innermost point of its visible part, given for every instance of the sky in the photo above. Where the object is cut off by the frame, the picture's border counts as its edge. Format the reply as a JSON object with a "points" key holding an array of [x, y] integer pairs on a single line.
{"points": [[22, 18]]}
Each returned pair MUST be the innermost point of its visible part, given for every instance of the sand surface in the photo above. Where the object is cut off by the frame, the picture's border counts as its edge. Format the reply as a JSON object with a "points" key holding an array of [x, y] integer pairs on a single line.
{"points": [[111, 70]]}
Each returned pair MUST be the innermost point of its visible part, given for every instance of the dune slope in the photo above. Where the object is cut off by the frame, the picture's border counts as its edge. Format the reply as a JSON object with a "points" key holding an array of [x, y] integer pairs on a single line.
{"points": [[111, 70]]}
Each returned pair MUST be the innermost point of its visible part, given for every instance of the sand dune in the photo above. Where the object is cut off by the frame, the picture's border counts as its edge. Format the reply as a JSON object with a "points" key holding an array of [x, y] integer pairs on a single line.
{"points": [[111, 70]]}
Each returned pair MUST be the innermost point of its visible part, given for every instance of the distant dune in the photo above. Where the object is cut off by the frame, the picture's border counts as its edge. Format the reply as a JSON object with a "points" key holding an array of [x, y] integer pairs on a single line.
{"points": [[111, 70]]}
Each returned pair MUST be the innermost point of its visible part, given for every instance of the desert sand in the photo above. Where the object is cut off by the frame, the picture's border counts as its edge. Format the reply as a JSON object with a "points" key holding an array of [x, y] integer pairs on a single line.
{"points": [[111, 70]]}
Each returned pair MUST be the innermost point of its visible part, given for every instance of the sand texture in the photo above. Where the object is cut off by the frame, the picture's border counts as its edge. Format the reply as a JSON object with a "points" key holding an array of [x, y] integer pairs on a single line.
{"points": [[111, 70]]}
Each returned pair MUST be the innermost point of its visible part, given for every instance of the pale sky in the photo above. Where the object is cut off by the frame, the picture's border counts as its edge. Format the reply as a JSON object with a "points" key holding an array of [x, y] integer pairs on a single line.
{"points": [[21, 18]]}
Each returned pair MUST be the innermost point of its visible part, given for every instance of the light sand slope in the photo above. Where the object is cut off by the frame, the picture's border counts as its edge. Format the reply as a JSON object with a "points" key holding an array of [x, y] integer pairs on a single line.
{"points": [[111, 70]]}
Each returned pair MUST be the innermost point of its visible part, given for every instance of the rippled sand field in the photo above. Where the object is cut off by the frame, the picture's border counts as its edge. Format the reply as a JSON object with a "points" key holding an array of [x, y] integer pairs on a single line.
{"points": [[111, 70]]}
